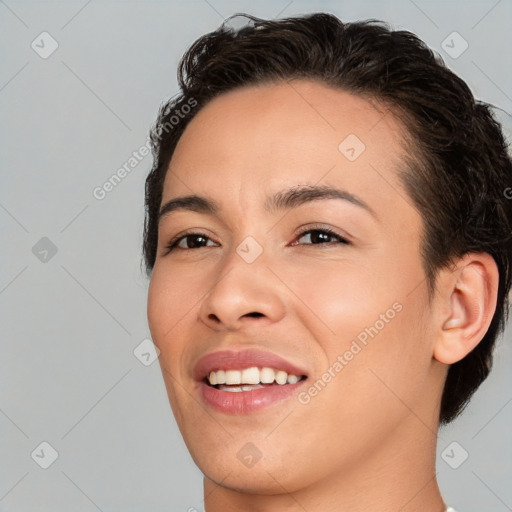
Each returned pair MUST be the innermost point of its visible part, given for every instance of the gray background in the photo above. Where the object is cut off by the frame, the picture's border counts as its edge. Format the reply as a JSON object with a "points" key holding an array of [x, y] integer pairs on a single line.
{"points": [[70, 324]]}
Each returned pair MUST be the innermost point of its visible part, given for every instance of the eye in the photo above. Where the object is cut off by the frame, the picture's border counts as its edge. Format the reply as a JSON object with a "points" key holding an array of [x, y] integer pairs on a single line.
{"points": [[188, 241], [317, 236], [321, 236]]}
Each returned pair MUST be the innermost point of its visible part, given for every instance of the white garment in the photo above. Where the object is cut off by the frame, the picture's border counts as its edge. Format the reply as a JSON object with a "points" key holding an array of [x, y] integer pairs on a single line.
{"points": [[450, 509]]}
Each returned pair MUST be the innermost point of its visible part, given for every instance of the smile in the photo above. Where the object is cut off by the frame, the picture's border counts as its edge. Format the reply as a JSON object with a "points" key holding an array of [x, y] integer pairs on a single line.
{"points": [[242, 382]]}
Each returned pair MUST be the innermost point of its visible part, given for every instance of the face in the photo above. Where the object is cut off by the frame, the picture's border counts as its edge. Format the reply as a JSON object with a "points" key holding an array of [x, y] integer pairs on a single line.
{"points": [[301, 255]]}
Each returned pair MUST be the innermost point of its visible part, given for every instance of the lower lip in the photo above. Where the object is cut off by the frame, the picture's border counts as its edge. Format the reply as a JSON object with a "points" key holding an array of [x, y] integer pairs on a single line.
{"points": [[246, 402]]}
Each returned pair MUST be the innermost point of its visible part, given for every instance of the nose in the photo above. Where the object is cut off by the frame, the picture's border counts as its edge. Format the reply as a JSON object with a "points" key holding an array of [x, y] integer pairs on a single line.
{"points": [[242, 294]]}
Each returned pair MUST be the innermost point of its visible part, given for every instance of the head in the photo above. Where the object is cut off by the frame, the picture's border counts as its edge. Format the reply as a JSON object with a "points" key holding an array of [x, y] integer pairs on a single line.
{"points": [[421, 240]]}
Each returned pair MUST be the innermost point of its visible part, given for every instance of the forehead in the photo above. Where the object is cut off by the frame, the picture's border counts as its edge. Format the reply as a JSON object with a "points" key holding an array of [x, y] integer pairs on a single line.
{"points": [[252, 141]]}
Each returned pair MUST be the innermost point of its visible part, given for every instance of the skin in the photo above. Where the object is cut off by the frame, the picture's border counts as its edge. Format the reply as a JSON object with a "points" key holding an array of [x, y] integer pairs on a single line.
{"points": [[367, 440]]}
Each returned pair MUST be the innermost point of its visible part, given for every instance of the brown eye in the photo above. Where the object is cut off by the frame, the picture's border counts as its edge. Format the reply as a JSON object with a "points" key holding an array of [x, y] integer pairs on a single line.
{"points": [[188, 241], [321, 237]]}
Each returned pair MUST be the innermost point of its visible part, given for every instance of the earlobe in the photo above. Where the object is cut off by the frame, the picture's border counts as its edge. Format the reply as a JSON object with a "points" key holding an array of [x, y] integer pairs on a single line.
{"points": [[470, 293]]}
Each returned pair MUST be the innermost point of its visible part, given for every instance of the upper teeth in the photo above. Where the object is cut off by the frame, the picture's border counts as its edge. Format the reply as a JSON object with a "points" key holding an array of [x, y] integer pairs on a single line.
{"points": [[251, 375]]}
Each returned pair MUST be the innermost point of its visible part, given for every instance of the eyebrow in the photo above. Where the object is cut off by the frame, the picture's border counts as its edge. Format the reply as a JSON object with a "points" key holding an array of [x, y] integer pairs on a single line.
{"points": [[282, 200]]}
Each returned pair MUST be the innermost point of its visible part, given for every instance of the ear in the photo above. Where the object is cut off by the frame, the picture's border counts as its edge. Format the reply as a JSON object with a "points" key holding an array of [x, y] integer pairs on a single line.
{"points": [[468, 296]]}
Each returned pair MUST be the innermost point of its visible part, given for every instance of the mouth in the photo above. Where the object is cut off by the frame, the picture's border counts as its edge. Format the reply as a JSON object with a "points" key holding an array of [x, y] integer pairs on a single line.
{"points": [[242, 382]]}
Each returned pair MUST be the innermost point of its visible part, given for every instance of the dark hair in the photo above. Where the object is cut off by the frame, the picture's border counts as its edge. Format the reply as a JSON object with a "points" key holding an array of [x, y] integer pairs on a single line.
{"points": [[457, 168]]}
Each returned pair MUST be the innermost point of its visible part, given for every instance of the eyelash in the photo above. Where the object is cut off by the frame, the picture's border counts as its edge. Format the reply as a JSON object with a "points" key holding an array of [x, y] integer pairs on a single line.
{"points": [[174, 243]]}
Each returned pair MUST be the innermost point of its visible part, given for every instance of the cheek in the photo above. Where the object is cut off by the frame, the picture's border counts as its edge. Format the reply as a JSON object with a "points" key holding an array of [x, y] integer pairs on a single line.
{"points": [[341, 297], [172, 298], [368, 388], [172, 295], [368, 316]]}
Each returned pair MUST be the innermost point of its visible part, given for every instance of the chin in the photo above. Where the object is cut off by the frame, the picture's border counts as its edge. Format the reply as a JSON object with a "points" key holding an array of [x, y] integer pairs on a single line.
{"points": [[259, 466]]}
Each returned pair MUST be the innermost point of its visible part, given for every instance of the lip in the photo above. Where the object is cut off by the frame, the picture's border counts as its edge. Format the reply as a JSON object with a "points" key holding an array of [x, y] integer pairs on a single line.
{"points": [[242, 359], [244, 402]]}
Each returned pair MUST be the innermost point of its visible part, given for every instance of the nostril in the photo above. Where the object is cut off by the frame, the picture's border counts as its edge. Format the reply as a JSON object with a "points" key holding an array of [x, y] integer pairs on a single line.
{"points": [[254, 314]]}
